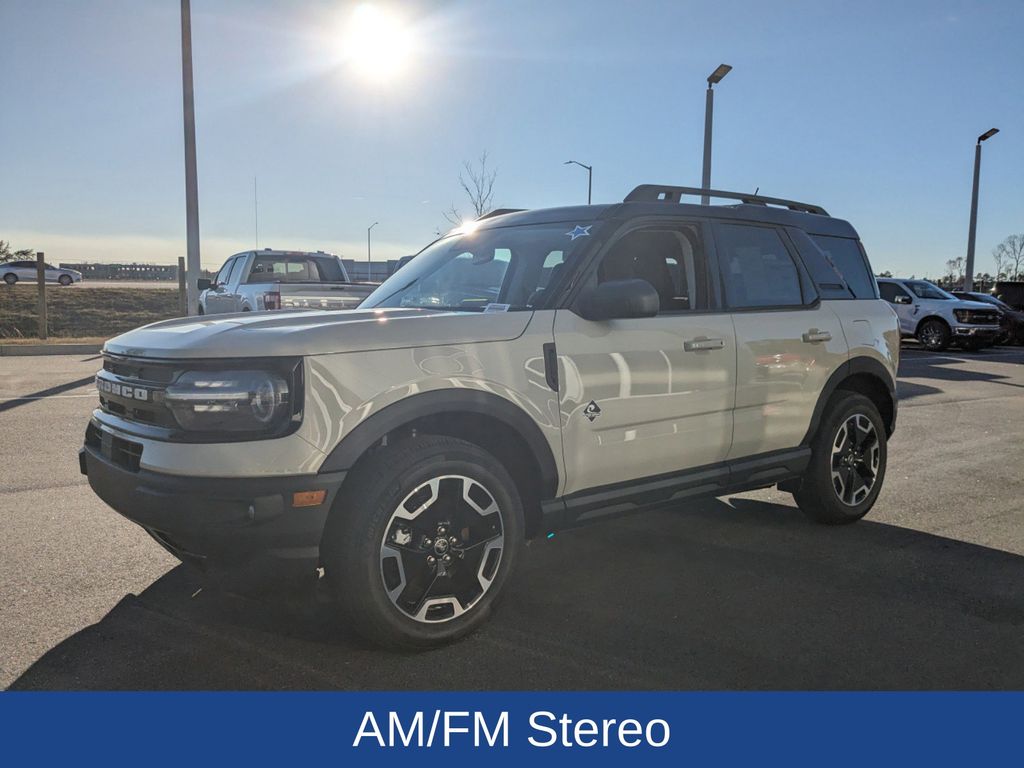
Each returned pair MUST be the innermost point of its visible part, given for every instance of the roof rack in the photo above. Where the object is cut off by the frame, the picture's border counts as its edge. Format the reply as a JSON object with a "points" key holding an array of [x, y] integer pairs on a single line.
{"points": [[652, 193]]}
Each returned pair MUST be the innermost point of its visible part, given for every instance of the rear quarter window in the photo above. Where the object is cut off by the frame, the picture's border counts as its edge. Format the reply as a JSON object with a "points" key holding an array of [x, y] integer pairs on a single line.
{"points": [[839, 268]]}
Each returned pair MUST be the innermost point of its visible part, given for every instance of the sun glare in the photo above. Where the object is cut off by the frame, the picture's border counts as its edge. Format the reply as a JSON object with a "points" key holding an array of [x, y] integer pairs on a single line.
{"points": [[378, 42]]}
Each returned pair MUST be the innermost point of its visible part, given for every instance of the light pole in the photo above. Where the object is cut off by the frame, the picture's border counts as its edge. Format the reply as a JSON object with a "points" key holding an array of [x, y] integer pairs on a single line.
{"points": [[969, 269], [191, 184], [590, 175], [368, 249], [709, 110]]}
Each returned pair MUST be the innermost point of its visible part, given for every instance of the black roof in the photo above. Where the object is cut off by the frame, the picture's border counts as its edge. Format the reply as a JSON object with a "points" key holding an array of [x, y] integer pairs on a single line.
{"points": [[643, 202]]}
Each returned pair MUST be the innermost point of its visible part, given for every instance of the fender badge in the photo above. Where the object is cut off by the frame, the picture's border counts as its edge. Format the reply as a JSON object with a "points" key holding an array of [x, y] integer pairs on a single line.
{"points": [[592, 411]]}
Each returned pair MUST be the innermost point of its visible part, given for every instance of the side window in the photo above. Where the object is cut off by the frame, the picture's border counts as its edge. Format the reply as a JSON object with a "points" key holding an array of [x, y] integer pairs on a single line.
{"points": [[757, 269], [236, 269], [222, 275], [670, 258], [843, 261], [890, 291]]}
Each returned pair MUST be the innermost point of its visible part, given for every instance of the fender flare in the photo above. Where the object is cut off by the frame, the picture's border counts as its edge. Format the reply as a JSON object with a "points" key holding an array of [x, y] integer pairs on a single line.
{"points": [[353, 445], [853, 367]]}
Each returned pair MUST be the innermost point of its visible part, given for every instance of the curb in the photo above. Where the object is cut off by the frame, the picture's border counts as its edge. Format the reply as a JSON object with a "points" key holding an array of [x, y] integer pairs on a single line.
{"points": [[27, 350]]}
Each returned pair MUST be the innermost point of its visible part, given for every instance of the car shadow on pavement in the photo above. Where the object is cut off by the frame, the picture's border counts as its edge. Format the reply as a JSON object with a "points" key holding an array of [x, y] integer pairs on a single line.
{"points": [[724, 594]]}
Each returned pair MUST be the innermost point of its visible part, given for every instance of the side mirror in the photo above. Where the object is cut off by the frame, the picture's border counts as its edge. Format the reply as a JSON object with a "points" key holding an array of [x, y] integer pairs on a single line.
{"points": [[619, 299], [204, 283], [901, 299]]}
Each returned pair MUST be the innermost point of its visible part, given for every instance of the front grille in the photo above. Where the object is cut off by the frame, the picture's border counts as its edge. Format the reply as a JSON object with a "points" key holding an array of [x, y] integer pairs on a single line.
{"points": [[981, 317]]}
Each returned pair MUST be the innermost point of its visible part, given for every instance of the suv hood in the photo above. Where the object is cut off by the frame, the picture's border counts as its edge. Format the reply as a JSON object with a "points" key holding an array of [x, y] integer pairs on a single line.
{"points": [[291, 333]]}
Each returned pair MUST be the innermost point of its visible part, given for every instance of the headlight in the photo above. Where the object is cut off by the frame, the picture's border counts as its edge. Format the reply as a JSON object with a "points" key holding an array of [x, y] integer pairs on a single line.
{"points": [[230, 401], [962, 315]]}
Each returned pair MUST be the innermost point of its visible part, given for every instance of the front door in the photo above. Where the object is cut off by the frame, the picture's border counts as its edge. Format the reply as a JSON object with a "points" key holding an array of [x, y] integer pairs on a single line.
{"points": [[648, 396], [905, 305]]}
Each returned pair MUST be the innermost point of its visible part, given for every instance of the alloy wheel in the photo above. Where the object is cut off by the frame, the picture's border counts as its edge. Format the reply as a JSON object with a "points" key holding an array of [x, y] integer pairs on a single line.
{"points": [[442, 548], [856, 453]]}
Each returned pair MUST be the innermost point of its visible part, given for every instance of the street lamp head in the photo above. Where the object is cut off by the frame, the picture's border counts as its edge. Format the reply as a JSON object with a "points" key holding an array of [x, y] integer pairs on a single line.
{"points": [[988, 134], [719, 73]]}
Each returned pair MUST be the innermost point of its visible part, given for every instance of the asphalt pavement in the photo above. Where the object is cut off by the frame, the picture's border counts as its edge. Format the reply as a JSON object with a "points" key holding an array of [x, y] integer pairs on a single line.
{"points": [[736, 593]]}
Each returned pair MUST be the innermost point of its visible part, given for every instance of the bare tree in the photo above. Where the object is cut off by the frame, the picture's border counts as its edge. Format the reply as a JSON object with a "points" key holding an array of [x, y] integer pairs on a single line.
{"points": [[1009, 258], [477, 181], [954, 270], [6, 254]]}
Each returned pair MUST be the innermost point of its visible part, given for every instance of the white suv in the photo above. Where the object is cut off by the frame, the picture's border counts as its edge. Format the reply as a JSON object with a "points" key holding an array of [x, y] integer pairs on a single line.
{"points": [[532, 371], [937, 318]]}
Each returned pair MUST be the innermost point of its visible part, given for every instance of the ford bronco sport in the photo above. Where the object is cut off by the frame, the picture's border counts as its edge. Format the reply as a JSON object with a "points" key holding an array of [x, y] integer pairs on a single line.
{"points": [[527, 372]]}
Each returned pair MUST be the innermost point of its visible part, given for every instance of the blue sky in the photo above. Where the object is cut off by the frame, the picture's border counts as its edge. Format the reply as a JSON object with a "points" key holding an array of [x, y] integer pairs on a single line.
{"points": [[870, 109]]}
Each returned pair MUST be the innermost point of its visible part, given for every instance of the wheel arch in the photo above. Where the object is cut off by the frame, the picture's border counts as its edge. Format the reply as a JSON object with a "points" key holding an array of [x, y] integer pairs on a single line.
{"points": [[863, 375], [933, 316], [494, 423]]}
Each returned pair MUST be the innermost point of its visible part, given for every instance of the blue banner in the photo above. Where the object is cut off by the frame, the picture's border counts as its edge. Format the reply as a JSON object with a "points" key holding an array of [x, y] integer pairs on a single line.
{"points": [[819, 729]]}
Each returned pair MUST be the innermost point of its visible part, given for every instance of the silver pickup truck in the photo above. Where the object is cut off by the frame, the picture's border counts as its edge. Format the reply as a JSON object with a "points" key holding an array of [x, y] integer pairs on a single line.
{"points": [[268, 279]]}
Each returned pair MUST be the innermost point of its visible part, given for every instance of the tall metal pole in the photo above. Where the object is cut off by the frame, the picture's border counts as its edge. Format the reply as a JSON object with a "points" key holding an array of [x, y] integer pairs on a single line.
{"points": [[368, 273], [191, 183], [709, 110], [969, 269], [590, 182]]}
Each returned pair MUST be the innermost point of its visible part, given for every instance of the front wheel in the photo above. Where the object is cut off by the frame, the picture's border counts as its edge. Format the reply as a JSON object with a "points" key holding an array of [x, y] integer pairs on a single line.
{"points": [[934, 335], [422, 540], [64, 280], [847, 467]]}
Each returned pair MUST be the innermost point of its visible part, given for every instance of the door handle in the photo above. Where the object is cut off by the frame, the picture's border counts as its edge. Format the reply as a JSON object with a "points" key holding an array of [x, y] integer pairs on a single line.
{"points": [[697, 345], [814, 335]]}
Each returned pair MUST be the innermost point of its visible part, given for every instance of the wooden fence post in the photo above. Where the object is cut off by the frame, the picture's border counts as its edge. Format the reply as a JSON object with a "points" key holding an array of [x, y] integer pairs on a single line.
{"points": [[41, 278], [182, 296]]}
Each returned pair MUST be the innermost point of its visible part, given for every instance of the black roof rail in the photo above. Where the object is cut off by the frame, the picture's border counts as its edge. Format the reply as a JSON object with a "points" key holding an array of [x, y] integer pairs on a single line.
{"points": [[652, 193], [498, 212]]}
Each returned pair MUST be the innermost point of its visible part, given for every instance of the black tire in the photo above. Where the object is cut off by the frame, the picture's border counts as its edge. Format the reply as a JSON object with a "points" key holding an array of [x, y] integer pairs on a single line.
{"points": [[369, 549], [10, 278], [934, 334], [819, 494], [64, 280]]}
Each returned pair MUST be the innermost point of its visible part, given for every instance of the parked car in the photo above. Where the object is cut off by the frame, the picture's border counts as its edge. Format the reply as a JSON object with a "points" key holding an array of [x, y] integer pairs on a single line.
{"points": [[937, 318], [13, 271], [268, 279], [1011, 320], [1010, 292], [533, 372]]}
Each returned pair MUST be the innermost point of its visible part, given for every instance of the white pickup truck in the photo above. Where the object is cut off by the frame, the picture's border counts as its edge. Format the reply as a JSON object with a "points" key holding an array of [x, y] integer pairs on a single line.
{"points": [[269, 279]]}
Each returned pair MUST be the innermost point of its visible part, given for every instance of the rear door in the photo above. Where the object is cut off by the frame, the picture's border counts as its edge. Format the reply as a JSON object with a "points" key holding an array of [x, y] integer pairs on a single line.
{"points": [[788, 342], [647, 396]]}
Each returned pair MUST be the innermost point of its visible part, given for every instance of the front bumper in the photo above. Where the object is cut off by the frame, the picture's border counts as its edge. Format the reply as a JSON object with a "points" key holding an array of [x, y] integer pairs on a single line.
{"points": [[234, 529], [982, 332]]}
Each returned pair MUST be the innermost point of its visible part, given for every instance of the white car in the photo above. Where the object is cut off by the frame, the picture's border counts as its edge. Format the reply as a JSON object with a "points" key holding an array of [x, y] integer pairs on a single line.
{"points": [[937, 318], [13, 271]]}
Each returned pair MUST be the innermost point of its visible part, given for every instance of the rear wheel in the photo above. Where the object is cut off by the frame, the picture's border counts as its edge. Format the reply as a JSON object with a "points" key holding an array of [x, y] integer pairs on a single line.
{"points": [[934, 335], [422, 541], [847, 467], [10, 278]]}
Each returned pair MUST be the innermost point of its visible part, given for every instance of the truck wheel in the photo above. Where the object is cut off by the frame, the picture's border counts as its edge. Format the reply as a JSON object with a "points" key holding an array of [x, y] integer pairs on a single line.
{"points": [[421, 541], [934, 335], [847, 466], [10, 278]]}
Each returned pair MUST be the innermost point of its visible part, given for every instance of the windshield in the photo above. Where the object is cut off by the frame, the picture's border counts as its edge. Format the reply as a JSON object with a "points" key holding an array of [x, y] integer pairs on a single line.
{"points": [[503, 269], [925, 290]]}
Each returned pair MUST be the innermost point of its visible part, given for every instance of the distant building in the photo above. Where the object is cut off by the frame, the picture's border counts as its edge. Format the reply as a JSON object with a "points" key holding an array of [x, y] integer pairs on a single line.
{"points": [[378, 271], [125, 271]]}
